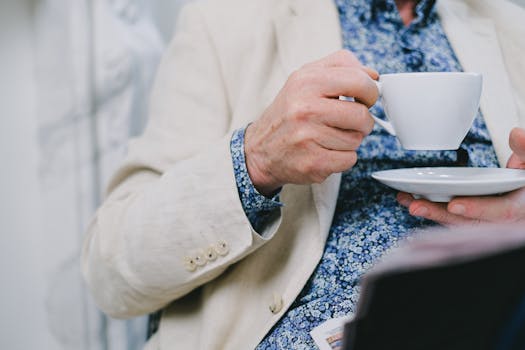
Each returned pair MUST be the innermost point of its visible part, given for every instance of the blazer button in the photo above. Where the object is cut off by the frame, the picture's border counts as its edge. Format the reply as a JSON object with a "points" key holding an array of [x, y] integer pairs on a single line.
{"points": [[277, 304], [222, 248], [211, 254], [189, 264], [200, 258]]}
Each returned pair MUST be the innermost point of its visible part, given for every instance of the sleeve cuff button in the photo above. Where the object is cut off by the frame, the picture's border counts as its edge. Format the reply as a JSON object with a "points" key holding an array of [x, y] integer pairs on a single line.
{"points": [[222, 248], [200, 259], [190, 264], [211, 254]]}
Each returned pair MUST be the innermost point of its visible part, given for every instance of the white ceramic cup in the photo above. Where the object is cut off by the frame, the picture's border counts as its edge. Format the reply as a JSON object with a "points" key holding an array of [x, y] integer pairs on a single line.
{"points": [[430, 111]]}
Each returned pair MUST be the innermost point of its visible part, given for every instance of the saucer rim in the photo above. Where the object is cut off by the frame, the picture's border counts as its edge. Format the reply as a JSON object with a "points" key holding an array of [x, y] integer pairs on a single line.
{"points": [[519, 175], [444, 189]]}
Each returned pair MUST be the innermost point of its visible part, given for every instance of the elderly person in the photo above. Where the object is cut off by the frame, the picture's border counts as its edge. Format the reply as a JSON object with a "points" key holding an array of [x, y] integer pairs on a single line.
{"points": [[246, 211]]}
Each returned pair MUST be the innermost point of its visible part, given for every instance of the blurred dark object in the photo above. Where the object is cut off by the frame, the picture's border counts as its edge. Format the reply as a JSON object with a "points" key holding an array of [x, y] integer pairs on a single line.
{"points": [[153, 323], [458, 290]]}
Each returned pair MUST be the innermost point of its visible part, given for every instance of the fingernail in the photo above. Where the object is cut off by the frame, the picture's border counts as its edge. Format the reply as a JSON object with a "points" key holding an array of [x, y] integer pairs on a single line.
{"points": [[421, 211], [458, 209]]}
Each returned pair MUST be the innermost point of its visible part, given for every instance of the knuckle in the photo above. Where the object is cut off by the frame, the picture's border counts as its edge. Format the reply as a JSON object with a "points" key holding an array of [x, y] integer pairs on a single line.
{"points": [[300, 109], [302, 137], [315, 169], [307, 167], [359, 75], [351, 159], [303, 76], [296, 74], [345, 55], [346, 162], [318, 178], [296, 80]]}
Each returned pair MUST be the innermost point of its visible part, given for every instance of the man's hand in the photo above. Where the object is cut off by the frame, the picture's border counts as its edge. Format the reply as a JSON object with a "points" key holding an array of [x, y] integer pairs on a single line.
{"points": [[307, 133], [506, 208]]}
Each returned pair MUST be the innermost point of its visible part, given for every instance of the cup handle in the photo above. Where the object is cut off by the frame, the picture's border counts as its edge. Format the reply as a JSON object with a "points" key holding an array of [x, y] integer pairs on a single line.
{"points": [[383, 123], [379, 87]]}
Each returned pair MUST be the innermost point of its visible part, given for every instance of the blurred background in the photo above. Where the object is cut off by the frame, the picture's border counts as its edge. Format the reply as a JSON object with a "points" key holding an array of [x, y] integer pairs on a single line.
{"points": [[75, 77]]}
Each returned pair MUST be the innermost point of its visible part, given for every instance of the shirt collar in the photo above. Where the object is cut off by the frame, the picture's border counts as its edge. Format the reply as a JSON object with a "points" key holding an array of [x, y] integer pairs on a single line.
{"points": [[369, 9], [425, 9]]}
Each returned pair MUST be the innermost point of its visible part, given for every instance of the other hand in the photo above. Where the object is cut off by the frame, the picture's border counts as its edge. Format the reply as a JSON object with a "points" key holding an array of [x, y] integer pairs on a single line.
{"points": [[307, 133], [506, 208]]}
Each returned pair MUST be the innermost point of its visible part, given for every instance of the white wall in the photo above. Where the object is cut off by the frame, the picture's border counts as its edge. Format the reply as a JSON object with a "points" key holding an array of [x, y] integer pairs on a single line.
{"points": [[23, 317], [74, 83]]}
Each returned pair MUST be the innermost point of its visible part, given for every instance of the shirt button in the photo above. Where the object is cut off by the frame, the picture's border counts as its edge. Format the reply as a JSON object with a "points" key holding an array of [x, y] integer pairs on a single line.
{"points": [[414, 59], [189, 264], [222, 248], [211, 254], [277, 304], [200, 259]]}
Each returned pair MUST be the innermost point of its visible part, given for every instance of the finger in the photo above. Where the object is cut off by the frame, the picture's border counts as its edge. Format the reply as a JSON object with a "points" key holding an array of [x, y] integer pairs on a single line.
{"points": [[437, 212], [345, 115], [505, 208], [338, 139], [515, 162], [318, 163], [339, 161], [348, 81], [517, 144], [405, 199], [428, 210]]}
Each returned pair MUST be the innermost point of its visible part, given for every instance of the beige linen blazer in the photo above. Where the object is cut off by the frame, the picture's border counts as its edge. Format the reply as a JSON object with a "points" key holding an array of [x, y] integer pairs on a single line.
{"points": [[172, 234]]}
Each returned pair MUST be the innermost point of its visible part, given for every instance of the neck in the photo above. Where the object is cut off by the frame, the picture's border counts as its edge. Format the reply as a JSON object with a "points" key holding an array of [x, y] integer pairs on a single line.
{"points": [[406, 10]]}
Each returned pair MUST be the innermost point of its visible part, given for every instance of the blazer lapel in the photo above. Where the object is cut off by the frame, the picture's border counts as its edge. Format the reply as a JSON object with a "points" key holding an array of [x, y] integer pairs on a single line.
{"points": [[476, 45], [308, 30]]}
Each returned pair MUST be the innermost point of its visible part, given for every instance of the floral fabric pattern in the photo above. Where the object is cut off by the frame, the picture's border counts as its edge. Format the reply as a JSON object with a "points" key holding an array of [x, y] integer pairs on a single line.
{"points": [[368, 221], [258, 208]]}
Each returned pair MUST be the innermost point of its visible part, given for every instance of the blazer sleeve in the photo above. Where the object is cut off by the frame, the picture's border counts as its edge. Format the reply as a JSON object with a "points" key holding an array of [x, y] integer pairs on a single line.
{"points": [[173, 219]]}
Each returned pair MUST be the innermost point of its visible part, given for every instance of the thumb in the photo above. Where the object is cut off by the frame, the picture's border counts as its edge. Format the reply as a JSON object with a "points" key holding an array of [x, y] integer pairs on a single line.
{"points": [[517, 144]]}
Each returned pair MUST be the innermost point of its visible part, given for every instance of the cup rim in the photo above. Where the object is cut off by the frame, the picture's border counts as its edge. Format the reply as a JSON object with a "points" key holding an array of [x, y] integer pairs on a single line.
{"points": [[421, 74]]}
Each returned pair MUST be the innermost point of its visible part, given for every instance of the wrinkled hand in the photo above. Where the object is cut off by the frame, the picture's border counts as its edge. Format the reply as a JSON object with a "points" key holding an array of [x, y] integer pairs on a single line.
{"points": [[506, 208], [307, 133]]}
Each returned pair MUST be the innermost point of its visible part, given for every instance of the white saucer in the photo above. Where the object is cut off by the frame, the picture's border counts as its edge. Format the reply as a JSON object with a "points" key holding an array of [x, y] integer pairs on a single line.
{"points": [[441, 184]]}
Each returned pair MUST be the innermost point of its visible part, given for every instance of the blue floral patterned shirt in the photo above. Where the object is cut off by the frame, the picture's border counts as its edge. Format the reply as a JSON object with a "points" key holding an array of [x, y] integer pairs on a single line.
{"points": [[368, 220]]}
